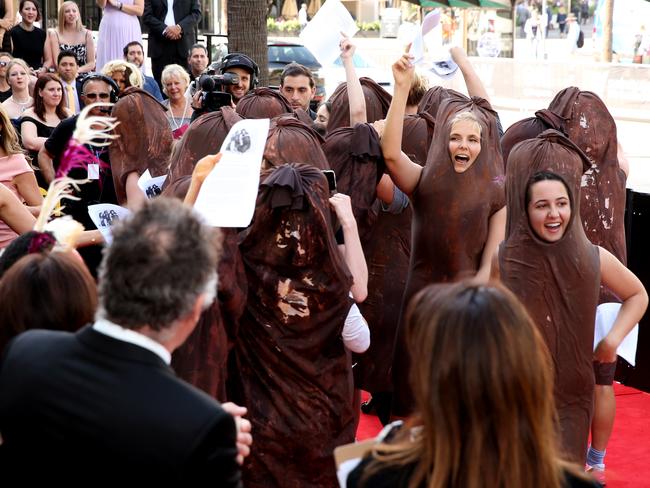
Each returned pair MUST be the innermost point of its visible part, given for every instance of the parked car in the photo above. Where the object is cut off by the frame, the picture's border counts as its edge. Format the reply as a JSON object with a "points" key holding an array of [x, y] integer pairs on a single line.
{"points": [[335, 74]]}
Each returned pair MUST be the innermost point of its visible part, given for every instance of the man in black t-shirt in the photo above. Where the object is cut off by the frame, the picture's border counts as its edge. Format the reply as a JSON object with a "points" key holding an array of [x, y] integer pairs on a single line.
{"points": [[99, 188]]}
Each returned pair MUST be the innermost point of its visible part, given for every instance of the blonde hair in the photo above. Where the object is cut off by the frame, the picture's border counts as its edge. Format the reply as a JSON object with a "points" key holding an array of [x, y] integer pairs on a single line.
{"points": [[9, 141], [14, 62], [173, 70], [131, 71], [78, 26], [467, 116], [419, 87]]}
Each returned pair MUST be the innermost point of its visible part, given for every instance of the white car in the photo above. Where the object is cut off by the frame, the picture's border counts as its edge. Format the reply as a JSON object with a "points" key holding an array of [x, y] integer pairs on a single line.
{"points": [[335, 74]]}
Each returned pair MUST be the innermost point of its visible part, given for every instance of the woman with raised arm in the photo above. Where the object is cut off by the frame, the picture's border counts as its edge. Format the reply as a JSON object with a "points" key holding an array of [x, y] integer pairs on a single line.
{"points": [[70, 35], [456, 229]]}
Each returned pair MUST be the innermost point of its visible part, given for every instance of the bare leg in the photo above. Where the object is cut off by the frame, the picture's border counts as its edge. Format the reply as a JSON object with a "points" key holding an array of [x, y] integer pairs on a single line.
{"points": [[604, 413]]}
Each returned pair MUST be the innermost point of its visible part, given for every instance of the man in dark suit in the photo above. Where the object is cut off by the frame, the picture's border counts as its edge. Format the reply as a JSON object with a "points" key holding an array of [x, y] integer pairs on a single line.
{"points": [[171, 33], [102, 406], [67, 67]]}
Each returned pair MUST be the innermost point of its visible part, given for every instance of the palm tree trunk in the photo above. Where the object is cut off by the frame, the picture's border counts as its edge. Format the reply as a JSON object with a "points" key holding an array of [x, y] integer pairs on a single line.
{"points": [[247, 32]]}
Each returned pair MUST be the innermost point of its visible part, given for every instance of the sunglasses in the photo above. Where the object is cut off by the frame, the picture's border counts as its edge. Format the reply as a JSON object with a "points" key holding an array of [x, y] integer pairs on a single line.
{"points": [[95, 96]]}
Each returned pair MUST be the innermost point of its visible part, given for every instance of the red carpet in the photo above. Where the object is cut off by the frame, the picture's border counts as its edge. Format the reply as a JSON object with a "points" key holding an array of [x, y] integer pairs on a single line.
{"points": [[628, 453]]}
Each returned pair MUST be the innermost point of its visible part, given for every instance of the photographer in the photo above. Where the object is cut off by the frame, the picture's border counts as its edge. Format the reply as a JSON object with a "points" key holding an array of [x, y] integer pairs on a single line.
{"points": [[238, 75]]}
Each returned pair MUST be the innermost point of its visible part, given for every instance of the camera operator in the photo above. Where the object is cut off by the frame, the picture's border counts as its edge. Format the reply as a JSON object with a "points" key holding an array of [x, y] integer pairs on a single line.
{"points": [[238, 75]]}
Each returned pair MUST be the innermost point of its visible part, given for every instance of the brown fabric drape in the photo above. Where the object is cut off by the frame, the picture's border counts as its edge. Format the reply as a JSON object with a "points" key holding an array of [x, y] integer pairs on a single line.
{"points": [[377, 103], [292, 371], [203, 357], [387, 254], [557, 282], [148, 147], [433, 98], [292, 140], [451, 214], [354, 153], [204, 136], [583, 117], [263, 103]]}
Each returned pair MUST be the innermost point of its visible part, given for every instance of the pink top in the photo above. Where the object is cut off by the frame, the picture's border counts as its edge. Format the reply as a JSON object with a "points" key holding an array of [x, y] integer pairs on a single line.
{"points": [[10, 167]]}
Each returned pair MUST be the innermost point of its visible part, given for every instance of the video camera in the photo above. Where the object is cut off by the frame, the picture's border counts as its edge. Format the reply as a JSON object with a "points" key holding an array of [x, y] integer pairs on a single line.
{"points": [[211, 84]]}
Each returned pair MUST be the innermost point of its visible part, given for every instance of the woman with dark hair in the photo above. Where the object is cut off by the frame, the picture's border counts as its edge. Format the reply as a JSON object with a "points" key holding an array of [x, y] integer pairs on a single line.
{"points": [[484, 403], [38, 122], [28, 41], [556, 272], [52, 290]]}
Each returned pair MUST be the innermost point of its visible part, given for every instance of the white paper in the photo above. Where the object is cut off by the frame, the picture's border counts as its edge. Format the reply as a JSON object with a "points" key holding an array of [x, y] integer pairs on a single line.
{"points": [[323, 33], [345, 469], [606, 314], [429, 23], [105, 215], [151, 187], [228, 194]]}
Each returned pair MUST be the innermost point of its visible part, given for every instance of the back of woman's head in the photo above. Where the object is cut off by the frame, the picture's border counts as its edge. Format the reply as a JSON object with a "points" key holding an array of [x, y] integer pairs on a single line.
{"points": [[46, 291], [482, 381]]}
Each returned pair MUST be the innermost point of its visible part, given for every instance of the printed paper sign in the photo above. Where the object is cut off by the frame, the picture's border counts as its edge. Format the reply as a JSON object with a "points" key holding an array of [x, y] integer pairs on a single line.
{"points": [[228, 194], [323, 33], [151, 186], [105, 215]]}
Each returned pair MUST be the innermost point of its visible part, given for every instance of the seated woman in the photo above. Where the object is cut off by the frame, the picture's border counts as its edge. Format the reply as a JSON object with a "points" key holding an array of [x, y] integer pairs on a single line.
{"points": [[27, 40], [38, 122], [124, 74], [484, 412], [20, 100], [16, 175], [549, 263], [13, 215], [70, 35], [175, 81]]}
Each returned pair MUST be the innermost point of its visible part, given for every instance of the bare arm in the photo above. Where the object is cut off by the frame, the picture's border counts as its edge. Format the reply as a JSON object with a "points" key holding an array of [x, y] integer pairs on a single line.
{"points": [[46, 164], [496, 234], [404, 172], [29, 134], [28, 189], [14, 213], [474, 84], [7, 22], [89, 238], [619, 279], [135, 197], [352, 251], [90, 54], [136, 9], [356, 99], [51, 48], [201, 171]]}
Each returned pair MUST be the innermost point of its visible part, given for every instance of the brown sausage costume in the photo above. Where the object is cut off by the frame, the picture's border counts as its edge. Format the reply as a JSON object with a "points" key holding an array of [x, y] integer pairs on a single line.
{"points": [[354, 153], [451, 213], [557, 282], [292, 371], [583, 117], [291, 140], [377, 104], [263, 103], [387, 255], [148, 147], [202, 359], [204, 136], [433, 98]]}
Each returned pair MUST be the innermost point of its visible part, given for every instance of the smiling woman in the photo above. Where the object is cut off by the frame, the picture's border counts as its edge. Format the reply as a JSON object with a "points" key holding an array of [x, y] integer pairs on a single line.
{"points": [[548, 206]]}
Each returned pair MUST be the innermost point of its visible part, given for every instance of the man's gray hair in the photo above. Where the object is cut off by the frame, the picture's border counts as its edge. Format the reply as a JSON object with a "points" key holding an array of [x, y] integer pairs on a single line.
{"points": [[161, 259]]}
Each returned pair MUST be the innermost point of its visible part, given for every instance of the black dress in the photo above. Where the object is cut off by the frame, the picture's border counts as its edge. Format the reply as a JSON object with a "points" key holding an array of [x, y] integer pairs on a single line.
{"points": [[28, 45], [42, 130]]}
